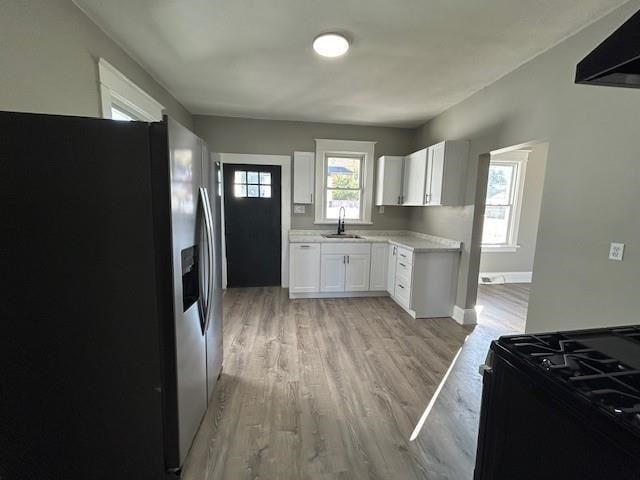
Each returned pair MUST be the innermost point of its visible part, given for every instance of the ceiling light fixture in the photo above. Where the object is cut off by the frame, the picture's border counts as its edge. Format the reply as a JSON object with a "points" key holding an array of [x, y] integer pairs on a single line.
{"points": [[331, 45]]}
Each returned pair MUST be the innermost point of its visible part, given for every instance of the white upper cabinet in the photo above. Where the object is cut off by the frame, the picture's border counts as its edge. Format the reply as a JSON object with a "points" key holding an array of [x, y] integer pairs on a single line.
{"points": [[303, 177], [389, 180], [436, 175], [446, 173], [415, 175]]}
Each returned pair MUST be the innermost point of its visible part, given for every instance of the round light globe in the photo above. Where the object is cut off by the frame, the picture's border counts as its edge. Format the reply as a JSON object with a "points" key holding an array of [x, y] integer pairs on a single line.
{"points": [[331, 45]]}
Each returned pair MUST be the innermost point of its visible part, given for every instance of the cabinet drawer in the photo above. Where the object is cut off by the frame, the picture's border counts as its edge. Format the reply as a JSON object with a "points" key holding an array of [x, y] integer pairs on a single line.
{"points": [[405, 255], [305, 246], [403, 292], [404, 267], [345, 248]]}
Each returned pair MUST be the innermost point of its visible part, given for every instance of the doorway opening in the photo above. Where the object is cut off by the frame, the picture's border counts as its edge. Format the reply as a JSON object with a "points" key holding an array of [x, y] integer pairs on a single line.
{"points": [[514, 187]]}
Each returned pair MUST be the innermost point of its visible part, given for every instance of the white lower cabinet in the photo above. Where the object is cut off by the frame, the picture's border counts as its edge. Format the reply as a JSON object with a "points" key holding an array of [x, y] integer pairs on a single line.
{"points": [[378, 274], [344, 267], [332, 272], [357, 272], [304, 268], [422, 283]]}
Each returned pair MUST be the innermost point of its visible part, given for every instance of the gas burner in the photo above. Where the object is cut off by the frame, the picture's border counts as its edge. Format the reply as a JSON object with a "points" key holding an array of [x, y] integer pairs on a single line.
{"points": [[603, 366]]}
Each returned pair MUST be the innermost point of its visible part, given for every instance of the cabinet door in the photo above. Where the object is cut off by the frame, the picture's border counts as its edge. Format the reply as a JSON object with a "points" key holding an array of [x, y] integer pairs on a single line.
{"points": [[435, 176], [332, 272], [389, 180], [304, 268], [378, 277], [391, 269], [303, 174], [415, 171], [357, 277]]}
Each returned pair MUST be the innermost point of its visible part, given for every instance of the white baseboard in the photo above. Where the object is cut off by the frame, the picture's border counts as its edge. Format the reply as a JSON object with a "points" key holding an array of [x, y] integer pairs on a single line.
{"points": [[505, 277], [337, 294], [465, 316]]}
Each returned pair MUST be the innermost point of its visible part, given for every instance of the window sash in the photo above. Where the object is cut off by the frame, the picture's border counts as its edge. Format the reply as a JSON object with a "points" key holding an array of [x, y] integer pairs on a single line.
{"points": [[512, 204], [359, 189]]}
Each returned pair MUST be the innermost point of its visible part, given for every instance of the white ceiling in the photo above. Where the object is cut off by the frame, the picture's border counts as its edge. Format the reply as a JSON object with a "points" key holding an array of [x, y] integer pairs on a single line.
{"points": [[410, 59]]}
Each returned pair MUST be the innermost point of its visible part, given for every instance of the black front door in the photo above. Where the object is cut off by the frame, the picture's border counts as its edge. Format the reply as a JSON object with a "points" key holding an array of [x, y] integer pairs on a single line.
{"points": [[252, 224]]}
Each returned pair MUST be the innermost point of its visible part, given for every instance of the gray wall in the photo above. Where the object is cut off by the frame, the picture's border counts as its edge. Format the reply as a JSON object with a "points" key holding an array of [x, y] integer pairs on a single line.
{"points": [[241, 135], [592, 181], [522, 259], [49, 61]]}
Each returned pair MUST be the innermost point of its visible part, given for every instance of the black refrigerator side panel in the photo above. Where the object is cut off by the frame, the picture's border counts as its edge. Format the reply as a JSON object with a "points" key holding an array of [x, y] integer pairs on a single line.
{"points": [[80, 374], [161, 191]]}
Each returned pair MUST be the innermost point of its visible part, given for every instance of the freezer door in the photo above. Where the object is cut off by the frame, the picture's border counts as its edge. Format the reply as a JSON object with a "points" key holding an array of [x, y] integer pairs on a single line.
{"points": [[186, 178], [214, 330]]}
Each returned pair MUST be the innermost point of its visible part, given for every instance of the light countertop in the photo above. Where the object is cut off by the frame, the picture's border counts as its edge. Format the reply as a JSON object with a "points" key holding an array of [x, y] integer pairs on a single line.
{"points": [[417, 242]]}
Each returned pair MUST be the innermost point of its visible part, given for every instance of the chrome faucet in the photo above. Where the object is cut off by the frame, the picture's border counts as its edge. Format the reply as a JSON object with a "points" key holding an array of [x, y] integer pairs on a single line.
{"points": [[341, 214]]}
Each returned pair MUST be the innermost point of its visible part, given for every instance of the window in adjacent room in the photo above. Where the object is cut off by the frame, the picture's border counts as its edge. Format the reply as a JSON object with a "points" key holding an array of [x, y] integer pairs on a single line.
{"points": [[503, 204], [344, 179]]}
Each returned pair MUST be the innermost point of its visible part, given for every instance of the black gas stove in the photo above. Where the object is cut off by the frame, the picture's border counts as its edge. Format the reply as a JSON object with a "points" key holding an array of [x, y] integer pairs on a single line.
{"points": [[566, 400]]}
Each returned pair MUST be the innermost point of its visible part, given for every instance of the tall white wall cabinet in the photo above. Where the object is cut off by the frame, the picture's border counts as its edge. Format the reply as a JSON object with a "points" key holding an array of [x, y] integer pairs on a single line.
{"points": [[303, 177]]}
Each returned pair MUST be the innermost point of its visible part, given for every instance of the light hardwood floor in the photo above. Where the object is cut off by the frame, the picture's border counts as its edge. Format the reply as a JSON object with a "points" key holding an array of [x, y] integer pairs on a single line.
{"points": [[332, 389]]}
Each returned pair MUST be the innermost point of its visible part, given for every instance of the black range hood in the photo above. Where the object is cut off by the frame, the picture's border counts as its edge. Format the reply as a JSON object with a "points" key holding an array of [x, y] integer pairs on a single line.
{"points": [[616, 61]]}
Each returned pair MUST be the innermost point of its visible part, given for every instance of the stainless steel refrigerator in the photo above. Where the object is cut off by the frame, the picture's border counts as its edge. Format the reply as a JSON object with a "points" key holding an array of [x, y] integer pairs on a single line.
{"points": [[111, 313]]}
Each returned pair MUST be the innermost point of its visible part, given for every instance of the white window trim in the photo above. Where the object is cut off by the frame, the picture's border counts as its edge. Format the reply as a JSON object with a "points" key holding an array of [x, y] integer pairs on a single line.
{"points": [[326, 148], [512, 246], [118, 90]]}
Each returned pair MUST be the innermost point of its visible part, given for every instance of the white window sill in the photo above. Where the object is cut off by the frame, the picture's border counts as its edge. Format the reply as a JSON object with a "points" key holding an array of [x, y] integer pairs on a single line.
{"points": [[346, 222], [500, 248]]}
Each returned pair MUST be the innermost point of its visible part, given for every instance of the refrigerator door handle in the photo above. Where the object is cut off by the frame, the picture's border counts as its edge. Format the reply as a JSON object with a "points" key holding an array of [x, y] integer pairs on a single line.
{"points": [[210, 253], [204, 274]]}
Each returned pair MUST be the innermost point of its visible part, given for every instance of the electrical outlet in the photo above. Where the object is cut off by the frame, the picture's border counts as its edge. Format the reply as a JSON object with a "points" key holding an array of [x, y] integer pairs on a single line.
{"points": [[616, 251], [298, 209], [381, 209]]}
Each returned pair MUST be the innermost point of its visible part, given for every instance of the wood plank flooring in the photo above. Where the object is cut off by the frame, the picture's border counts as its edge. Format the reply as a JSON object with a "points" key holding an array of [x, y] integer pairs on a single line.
{"points": [[332, 389]]}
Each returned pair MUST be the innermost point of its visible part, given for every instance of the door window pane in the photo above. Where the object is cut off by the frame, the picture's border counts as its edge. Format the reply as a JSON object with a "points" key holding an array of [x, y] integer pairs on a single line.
{"points": [[252, 184], [265, 178], [265, 191], [252, 177], [240, 176], [240, 190]]}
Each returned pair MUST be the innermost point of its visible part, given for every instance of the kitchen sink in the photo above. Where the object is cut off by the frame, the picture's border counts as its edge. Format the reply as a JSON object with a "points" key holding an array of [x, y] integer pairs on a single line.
{"points": [[340, 235]]}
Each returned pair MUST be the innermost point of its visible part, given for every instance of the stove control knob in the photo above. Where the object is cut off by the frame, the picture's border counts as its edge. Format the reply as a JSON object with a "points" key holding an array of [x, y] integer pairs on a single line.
{"points": [[546, 364]]}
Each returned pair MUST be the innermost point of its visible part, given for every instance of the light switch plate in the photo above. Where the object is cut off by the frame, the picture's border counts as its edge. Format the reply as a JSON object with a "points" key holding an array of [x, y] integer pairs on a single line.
{"points": [[616, 251], [298, 209]]}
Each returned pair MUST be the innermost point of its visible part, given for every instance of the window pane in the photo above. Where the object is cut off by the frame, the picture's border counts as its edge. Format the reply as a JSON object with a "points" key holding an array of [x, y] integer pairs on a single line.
{"points": [[252, 177], [265, 191], [240, 190], [265, 178], [240, 177], [496, 225], [500, 184], [349, 199], [117, 114], [343, 172], [252, 190]]}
